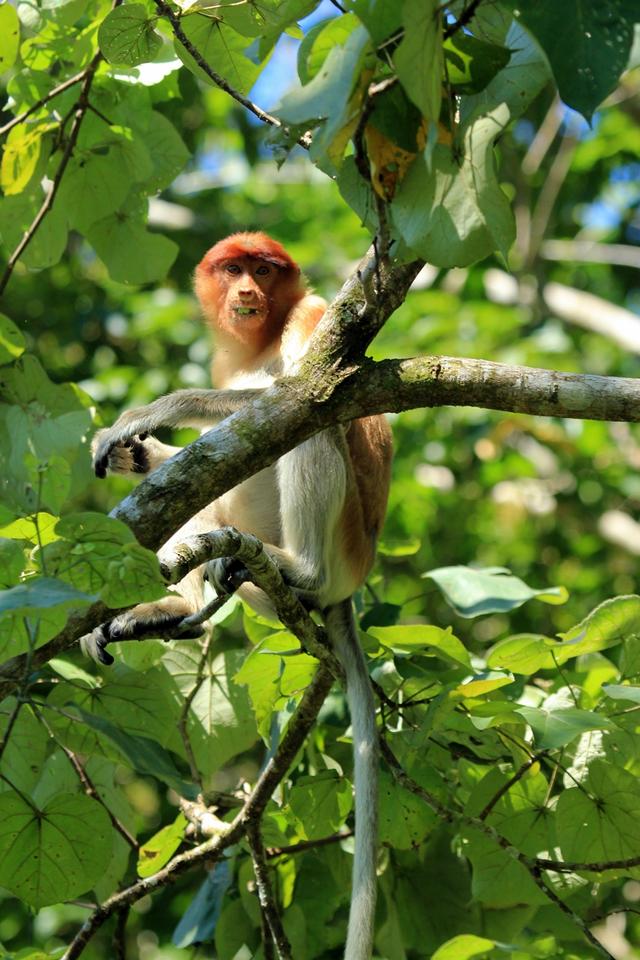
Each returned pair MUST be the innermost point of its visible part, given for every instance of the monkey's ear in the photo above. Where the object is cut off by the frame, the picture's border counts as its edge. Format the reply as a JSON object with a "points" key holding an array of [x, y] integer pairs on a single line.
{"points": [[94, 645]]}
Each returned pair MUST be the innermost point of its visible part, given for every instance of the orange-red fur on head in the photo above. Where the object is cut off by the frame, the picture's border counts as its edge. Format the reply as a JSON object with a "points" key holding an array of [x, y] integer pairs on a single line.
{"points": [[214, 288]]}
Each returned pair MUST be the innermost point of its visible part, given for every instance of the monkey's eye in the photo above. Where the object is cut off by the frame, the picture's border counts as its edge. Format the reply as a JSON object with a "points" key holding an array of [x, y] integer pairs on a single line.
{"points": [[263, 270], [233, 268]]}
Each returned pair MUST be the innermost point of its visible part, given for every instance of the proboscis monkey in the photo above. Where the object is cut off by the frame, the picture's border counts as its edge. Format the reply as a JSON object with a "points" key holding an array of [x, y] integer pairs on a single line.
{"points": [[318, 510]]}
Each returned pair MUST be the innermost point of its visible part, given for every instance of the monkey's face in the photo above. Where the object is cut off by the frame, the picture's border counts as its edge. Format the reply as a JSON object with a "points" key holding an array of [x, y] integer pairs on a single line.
{"points": [[238, 293]]}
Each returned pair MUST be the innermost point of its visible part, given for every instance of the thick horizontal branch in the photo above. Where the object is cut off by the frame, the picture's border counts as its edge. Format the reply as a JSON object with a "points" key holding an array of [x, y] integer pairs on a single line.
{"points": [[297, 408], [395, 385]]}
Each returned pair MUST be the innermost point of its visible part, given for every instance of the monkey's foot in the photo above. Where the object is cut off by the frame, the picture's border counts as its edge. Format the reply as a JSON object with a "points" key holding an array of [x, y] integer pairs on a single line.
{"points": [[226, 574], [148, 620]]}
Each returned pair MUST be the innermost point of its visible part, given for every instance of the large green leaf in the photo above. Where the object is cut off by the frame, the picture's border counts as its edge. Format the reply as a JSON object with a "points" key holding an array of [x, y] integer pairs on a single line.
{"points": [[222, 48], [450, 210], [99, 555], [219, 723], [419, 57], [588, 44], [9, 36], [33, 612], [130, 252], [320, 803], [17, 214], [423, 638], [53, 853], [275, 673], [126, 35], [404, 819], [601, 820], [558, 727], [473, 63], [25, 750], [473, 592]]}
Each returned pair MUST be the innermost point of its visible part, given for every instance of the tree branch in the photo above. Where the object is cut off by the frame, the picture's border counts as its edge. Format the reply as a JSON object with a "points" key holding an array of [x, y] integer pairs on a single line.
{"points": [[55, 92]]}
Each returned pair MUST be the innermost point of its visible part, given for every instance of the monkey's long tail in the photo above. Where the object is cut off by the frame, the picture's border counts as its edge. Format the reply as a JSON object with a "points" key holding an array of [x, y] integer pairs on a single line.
{"points": [[341, 628]]}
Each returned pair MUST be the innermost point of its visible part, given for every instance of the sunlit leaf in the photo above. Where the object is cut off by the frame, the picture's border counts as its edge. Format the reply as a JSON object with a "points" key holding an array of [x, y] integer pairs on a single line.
{"points": [[53, 853], [473, 592], [126, 35]]}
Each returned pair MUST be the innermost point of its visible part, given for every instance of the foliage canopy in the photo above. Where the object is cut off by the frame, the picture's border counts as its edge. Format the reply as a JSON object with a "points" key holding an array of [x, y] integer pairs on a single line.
{"points": [[508, 700]]}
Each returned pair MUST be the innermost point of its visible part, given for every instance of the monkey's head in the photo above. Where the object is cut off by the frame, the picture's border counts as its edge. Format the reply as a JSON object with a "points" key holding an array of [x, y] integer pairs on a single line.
{"points": [[247, 284]]}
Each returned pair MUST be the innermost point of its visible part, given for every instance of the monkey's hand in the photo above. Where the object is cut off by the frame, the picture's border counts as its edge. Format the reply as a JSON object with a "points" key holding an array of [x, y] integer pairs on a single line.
{"points": [[226, 574], [136, 455]]}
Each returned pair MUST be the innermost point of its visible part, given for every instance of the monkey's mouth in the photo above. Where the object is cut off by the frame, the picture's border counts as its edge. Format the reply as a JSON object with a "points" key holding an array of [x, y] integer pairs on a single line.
{"points": [[246, 311]]}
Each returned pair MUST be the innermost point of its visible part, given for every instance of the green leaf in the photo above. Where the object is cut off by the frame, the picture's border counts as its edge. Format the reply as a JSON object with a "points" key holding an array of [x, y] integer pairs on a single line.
{"points": [[26, 749], [53, 853], [21, 156], [622, 691], [320, 803], [40, 593], [319, 41], [12, 343], [274, 680], [452, 211], [588, 45], [12, 561], [95, 184], [472, 63], [601, 821], [126, 35], [219, 723], [399, 548], [166, 150], [130, 253], [142, 754], [17, 214], [610, 623], [9, 36], [328, 95], [418, 59], [404, 819], [526, 653], [420, 638], [557, 728], [380, 17], [98, 554], [222, 48], [464, 947], [498, 881], [481, 684], [159, 849], [472, 592]]}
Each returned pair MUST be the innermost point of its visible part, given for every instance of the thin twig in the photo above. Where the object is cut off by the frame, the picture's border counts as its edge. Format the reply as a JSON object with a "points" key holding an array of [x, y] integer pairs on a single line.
{"points": [[520, 772], [41, 102], [465, 17], [268, 904], [304, 845]]}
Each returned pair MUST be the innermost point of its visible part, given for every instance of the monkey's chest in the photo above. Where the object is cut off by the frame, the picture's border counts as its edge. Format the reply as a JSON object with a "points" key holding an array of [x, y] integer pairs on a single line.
{"points": [[254, 507]]}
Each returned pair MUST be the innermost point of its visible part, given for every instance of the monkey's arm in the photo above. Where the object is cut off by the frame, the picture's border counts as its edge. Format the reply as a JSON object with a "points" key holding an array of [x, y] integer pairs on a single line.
{"points": [[184, 408]]}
